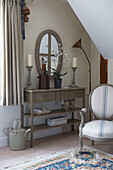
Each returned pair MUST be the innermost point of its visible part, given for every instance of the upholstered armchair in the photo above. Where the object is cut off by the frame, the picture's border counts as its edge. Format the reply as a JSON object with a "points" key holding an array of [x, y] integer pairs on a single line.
{"points": [[101, 106]]}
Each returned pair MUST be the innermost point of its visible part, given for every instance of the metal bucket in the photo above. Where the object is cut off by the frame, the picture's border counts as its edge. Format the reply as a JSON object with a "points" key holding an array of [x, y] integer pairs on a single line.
{"points": [[17, 136]]}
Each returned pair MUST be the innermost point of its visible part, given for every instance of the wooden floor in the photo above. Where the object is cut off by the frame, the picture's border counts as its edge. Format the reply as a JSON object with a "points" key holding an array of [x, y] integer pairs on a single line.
{"points": [[48, 145]]}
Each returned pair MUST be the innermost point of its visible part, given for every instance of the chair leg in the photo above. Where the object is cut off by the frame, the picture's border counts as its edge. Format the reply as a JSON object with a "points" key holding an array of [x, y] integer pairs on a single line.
{"points": [[81, 143], [92, 142]]}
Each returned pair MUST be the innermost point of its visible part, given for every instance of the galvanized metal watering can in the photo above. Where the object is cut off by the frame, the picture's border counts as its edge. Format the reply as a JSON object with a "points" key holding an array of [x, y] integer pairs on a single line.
{"points": [[16, 136]]}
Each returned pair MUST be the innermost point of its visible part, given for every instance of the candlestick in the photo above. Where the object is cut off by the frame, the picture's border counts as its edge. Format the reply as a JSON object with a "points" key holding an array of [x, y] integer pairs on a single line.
{"points": [[73, 81], [29, 84], [74, 62], [29, 60]]}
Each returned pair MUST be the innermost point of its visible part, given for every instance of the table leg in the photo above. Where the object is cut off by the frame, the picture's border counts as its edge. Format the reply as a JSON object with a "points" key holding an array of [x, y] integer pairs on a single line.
{"points": [[32, 128], [72, 126], [22, 117]]}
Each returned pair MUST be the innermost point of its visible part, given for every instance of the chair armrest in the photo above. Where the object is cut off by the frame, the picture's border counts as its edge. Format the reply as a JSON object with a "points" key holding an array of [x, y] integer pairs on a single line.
{"points": [[84, 110], [82, 113]]}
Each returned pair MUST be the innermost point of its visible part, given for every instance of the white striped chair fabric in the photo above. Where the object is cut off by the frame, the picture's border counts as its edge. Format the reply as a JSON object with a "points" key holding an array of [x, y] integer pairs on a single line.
{"points": [[102, 102], [98, 129], [102, 107]]}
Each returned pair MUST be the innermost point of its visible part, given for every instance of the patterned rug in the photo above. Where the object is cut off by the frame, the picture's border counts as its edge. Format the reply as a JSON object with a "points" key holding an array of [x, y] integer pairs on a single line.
{"points": [[90, 159]]}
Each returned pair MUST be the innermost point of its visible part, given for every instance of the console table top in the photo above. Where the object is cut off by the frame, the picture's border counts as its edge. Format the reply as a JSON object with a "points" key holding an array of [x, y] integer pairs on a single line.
{"points": [[53, 89]]}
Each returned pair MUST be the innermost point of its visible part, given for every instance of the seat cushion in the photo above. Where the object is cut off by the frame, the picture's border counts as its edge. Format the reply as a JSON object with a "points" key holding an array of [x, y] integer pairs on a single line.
{"points": [[98, 129]]}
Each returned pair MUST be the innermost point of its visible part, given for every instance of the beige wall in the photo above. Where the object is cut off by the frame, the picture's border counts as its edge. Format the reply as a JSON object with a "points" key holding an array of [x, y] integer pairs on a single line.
{"points": [[95, 65], [58, 16]]}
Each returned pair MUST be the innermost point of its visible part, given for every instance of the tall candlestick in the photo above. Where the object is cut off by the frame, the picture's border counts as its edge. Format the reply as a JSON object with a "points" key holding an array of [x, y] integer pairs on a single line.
{"points": [[73, 81], [74, 62], [29, 84], [29, 60]]}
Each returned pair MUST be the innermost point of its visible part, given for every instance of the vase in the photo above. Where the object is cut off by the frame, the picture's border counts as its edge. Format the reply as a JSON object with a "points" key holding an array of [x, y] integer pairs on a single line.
{"points": [[57, 83], [44, 81]]}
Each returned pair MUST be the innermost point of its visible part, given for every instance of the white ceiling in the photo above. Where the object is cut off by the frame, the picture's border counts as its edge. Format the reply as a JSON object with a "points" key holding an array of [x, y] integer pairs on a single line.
{"points": [[97, 18]]}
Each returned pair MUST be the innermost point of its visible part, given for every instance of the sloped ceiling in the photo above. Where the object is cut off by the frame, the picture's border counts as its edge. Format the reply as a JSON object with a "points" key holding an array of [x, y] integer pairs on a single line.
{"points": [[97, 18]]}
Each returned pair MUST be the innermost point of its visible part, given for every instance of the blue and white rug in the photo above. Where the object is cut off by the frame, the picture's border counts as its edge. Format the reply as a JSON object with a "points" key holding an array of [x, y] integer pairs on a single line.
{"points": [[71, 160]]}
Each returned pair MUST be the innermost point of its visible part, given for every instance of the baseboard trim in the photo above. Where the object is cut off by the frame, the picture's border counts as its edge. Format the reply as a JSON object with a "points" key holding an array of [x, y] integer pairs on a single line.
{"points": [[3, 142]]}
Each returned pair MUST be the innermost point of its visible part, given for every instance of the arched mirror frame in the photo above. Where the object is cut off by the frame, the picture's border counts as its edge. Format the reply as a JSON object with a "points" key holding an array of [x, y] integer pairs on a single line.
{"points": [[37, 51]]}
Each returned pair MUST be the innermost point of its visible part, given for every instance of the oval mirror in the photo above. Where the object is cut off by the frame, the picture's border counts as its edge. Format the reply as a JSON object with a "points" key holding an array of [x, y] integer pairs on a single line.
{"points": [[47, 49]]}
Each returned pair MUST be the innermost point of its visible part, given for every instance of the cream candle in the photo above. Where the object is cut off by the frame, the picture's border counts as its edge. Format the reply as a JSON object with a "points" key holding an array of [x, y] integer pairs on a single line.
{"points": [[74, 62], [29, 60]]}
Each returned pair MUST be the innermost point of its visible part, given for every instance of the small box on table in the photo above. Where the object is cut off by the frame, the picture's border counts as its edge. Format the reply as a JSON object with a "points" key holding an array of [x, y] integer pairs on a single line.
{"points": [[57, 121]]}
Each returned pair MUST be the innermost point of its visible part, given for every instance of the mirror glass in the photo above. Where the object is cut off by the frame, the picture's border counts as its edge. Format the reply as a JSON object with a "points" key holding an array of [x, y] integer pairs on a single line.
{"points": [[44, 44], [46, 52], [54, 45], [54, 62], [47, 45]]}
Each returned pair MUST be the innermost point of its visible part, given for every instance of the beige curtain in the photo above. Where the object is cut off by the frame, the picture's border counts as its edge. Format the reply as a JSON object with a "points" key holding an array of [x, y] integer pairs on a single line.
{"points": [[11, 53]]}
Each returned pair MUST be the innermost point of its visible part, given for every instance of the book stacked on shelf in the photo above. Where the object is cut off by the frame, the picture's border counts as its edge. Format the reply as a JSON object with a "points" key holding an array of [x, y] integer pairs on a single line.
{"points": [[39, 110]]}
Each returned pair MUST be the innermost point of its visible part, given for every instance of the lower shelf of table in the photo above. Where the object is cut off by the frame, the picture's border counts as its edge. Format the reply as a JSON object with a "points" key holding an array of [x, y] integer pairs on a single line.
{"points": [[53, 112], [45, 126]]}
